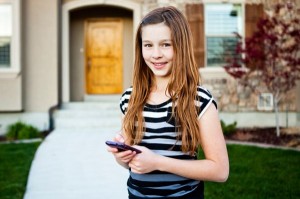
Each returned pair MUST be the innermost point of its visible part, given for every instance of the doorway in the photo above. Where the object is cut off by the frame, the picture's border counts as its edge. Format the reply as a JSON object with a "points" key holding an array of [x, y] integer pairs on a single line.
{"points": [[78, 65]]}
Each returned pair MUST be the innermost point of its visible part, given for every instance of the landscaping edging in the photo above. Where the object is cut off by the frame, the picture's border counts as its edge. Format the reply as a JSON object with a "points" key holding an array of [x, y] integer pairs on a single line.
{"points": [[25, 141], [261, 145]]}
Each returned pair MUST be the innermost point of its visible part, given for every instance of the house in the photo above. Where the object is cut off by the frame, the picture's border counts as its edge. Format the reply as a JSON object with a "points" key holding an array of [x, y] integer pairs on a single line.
{"points": [[49, 55]]}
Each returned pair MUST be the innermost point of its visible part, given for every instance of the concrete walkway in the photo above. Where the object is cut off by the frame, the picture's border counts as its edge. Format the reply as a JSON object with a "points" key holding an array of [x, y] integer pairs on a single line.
{"points": [[74, 164]]}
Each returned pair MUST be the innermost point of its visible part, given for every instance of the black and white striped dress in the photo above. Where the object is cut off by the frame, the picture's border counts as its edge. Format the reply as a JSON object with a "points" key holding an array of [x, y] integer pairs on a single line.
{"points": [[161, 138]]}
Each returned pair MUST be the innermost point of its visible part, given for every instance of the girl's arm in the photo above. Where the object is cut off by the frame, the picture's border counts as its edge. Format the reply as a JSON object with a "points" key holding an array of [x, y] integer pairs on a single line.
{"points": [[215, 166]]}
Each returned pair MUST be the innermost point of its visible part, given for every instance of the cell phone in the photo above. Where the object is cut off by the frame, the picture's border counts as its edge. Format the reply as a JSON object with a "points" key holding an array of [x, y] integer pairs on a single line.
{"points": [[121, 146]]}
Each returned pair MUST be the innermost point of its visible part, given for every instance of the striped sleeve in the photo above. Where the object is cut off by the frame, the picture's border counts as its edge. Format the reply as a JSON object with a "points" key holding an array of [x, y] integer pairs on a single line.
{"points": [[204, 99], [125, 99]]}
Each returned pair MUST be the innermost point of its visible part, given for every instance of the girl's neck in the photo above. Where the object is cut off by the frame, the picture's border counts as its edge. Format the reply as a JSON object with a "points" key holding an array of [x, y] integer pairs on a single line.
{"points": [[160, 85], [159, 92]]}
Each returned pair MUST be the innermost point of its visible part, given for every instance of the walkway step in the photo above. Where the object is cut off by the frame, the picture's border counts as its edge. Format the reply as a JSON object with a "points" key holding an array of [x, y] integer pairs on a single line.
{"points": [[68, 113], [102, 98], [91, 105], [88, 114], [87, 122]]}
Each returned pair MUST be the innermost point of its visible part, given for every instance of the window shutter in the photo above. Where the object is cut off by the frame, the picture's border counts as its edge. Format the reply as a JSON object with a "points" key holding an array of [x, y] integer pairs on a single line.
{"points": [[253, 13], [195, 17]]}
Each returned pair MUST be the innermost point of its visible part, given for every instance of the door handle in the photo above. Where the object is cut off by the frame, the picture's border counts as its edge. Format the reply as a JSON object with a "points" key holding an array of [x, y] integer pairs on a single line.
{"points": [[89, 64]]}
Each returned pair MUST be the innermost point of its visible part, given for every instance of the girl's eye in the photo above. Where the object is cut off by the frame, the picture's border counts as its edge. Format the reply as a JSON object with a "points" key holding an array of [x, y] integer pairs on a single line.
{"points": [[147, 45], [166, 45]]}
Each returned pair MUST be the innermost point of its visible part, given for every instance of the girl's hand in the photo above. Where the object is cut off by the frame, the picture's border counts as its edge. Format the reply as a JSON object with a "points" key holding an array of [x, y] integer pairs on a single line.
{"points": [[144, 162], [123, 157]]}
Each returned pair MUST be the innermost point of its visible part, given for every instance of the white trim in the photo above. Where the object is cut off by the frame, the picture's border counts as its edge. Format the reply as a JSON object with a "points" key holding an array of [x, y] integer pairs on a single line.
{"points": [[39, 120], [213, 72], [14, 70], [213, 69], [259, 118], [9, 73], [224, 1], [69, 6]]}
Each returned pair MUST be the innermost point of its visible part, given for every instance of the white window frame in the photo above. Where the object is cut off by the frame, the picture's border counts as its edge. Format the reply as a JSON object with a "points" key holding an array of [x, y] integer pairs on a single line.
{"points": [[218, 71], [15, 47], [261, 105]]}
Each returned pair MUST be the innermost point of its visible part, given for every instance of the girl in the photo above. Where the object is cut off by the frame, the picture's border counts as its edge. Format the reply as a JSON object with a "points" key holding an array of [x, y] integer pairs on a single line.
{"points": [[168, 115]]}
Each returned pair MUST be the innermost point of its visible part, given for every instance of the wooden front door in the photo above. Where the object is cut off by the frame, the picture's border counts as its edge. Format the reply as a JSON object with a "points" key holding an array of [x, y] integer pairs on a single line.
{"points": [[103, 57]]}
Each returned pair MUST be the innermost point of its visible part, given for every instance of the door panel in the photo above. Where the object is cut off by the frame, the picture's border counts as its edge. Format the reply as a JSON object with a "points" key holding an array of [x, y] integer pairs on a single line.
{"points": [[104, 60]]}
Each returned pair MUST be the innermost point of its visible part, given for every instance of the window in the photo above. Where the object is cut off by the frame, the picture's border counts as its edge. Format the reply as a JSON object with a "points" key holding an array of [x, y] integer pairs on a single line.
{"points": [[10, 42], [265, 102], [221, 20], [5, 34]]}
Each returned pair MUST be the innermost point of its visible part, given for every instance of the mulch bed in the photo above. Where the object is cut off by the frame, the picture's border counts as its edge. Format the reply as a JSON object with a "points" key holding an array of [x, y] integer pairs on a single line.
{"points": [[289, 137], [2, 138], [43, 134]]}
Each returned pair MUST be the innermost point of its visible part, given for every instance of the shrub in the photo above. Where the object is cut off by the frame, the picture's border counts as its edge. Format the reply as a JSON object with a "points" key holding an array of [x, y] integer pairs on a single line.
{"points": [[13, 130], [28, 132], [228, 129], [20, 130]]}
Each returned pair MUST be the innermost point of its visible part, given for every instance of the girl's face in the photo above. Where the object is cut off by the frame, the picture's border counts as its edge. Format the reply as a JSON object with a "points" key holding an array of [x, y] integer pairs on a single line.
{"points": [[157, 49]]}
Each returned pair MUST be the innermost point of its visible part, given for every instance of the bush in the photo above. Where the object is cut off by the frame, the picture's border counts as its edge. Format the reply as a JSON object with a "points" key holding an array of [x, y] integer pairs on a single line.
{"points": [[13, 130], [28, 132], [228, 129], [20, 130]]}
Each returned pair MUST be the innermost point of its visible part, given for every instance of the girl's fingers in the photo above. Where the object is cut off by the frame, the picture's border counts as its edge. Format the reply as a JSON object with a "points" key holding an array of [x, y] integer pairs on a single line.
{"points": [[125, 155], [129, 157]]}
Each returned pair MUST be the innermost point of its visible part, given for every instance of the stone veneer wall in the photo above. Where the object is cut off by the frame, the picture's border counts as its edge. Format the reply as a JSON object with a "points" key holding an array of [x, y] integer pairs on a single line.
{"points": [[232, 97]]}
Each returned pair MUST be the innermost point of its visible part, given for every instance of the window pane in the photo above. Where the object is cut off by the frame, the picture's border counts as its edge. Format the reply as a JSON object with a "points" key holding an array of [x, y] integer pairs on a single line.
{"points": [[221, 20], [219, 49], [5, 34], [4, 52]]}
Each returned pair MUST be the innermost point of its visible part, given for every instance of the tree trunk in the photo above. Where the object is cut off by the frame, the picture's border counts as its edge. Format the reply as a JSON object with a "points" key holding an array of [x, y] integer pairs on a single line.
{"points": [[287, 116], [277, 117]]}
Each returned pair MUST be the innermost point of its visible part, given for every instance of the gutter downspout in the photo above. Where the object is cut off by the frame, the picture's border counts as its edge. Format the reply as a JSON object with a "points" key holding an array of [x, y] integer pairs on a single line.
{"points": [[59, 70]]}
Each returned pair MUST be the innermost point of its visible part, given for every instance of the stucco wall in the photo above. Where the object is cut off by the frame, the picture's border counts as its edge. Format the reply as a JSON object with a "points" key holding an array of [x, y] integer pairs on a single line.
{"points": [[40, 59], [11, 94]]}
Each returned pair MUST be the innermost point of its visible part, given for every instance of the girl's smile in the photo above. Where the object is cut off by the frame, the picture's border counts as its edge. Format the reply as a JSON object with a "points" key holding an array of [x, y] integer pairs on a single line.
{"points": [[159, 65]]}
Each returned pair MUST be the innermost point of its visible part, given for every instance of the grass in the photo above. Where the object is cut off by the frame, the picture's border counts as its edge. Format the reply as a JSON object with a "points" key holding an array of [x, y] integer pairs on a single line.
{"points": [[257, 173], [15, 162]]}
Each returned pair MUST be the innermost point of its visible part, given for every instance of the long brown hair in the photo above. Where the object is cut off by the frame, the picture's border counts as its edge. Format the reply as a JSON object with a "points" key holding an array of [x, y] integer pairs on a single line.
{"points": [[182, 86]]}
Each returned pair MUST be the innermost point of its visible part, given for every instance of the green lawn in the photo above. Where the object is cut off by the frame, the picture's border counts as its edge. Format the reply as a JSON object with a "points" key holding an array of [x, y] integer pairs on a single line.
{"points": [[257, 173], [15, 161]]}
